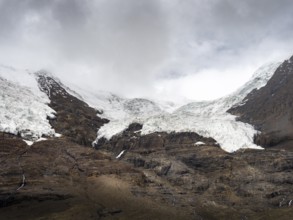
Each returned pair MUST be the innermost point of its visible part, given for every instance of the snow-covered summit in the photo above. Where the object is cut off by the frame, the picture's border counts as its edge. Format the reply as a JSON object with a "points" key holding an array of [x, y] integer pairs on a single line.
{"points": [[221, 105], [114, 107]]}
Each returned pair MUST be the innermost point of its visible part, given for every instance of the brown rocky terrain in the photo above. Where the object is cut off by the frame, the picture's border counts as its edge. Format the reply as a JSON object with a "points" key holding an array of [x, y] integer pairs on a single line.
{"points": [[270, 109], [214, 184], [58, 179], [74, 118]]}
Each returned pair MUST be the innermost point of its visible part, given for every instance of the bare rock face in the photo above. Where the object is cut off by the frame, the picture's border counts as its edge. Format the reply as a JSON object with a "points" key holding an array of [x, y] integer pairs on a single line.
{"points": [[165, 177], [58, 179], [270, 109], [74, 118], [202, 177]]}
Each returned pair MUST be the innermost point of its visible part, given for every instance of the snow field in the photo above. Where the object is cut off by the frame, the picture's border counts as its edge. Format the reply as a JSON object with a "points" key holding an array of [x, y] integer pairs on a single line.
{"points": [[23, 107]]}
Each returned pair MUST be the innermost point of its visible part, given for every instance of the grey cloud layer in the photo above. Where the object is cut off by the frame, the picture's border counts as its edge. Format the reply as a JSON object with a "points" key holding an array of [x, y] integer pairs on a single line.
{"points": [[128, 44]]}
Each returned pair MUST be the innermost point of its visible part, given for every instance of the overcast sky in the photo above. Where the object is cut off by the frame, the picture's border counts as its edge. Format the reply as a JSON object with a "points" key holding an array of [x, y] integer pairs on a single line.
{"points": [[198, 49]]}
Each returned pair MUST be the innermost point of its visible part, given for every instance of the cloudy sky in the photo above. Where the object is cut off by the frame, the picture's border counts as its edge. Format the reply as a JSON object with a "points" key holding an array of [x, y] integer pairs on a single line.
{"points": [[197, 49]]}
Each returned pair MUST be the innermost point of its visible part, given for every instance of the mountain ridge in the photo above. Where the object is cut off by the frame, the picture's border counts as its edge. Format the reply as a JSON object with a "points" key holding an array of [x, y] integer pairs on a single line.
{"points": [[160, 175], [193, 117], [269, 109], [208, 118]]}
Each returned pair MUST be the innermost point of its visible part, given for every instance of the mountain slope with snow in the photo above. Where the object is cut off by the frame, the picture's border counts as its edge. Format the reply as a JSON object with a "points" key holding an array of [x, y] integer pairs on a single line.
{"points": [[23, 107], [270, 109], [208, 119]]}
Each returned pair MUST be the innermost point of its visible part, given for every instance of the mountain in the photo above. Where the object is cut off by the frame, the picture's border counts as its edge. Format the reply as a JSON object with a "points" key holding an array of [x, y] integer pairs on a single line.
{"points": [[148, 162], [269, 109], [209, 119], [74, 118]]}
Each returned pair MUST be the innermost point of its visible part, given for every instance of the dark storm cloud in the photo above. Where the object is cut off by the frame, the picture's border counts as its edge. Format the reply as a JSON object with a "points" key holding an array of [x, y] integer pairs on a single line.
{"points": [[129, 46]]}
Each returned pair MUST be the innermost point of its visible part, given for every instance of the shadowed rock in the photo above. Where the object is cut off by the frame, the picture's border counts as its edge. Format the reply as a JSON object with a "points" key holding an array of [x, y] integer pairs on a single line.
{"points": [[270, 109], [74, 118]]}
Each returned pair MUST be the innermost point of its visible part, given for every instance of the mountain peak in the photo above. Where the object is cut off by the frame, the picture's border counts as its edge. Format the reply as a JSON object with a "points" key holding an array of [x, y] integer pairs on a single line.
{"points": [[208, 119], [44, 73]]}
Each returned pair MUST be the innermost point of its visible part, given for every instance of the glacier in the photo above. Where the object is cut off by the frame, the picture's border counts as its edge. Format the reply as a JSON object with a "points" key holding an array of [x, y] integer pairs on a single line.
{"points": [[23, 108], [207, 118]]}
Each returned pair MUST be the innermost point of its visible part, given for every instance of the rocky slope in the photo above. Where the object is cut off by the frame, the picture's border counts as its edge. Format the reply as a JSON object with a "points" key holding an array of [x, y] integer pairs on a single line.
{"points": [[58, 179], [269, 109], [161, 176], [74, 118], [132, 175], [190, 171]]}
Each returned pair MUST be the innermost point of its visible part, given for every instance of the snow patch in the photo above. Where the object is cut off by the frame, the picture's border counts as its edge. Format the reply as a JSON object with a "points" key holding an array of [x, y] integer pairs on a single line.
{"points": [[121, 153], [41, 139], [57, 135], [29, 143], [199, 143]]}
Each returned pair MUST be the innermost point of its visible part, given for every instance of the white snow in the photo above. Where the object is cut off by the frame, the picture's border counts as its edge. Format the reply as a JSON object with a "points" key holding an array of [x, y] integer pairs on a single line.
{"points": [[41, 139], [121, 153], [21, 77], [208, 118], [29, 143], [116, 108], [120, 111], [57, 135], [23, 107], [23, 183], [198, 143]]}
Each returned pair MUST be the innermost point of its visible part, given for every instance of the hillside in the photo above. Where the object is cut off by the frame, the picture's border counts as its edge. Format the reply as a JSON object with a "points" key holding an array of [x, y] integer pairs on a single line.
{"points": [[269, 109], [153, 165]]}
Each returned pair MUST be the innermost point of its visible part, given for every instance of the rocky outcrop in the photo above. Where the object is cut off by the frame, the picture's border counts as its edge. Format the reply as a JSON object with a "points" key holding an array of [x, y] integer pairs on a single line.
{"points": [[58, 179], [131, 139], [188, 170], [172, 178], [74, 118], [269, 109]]}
